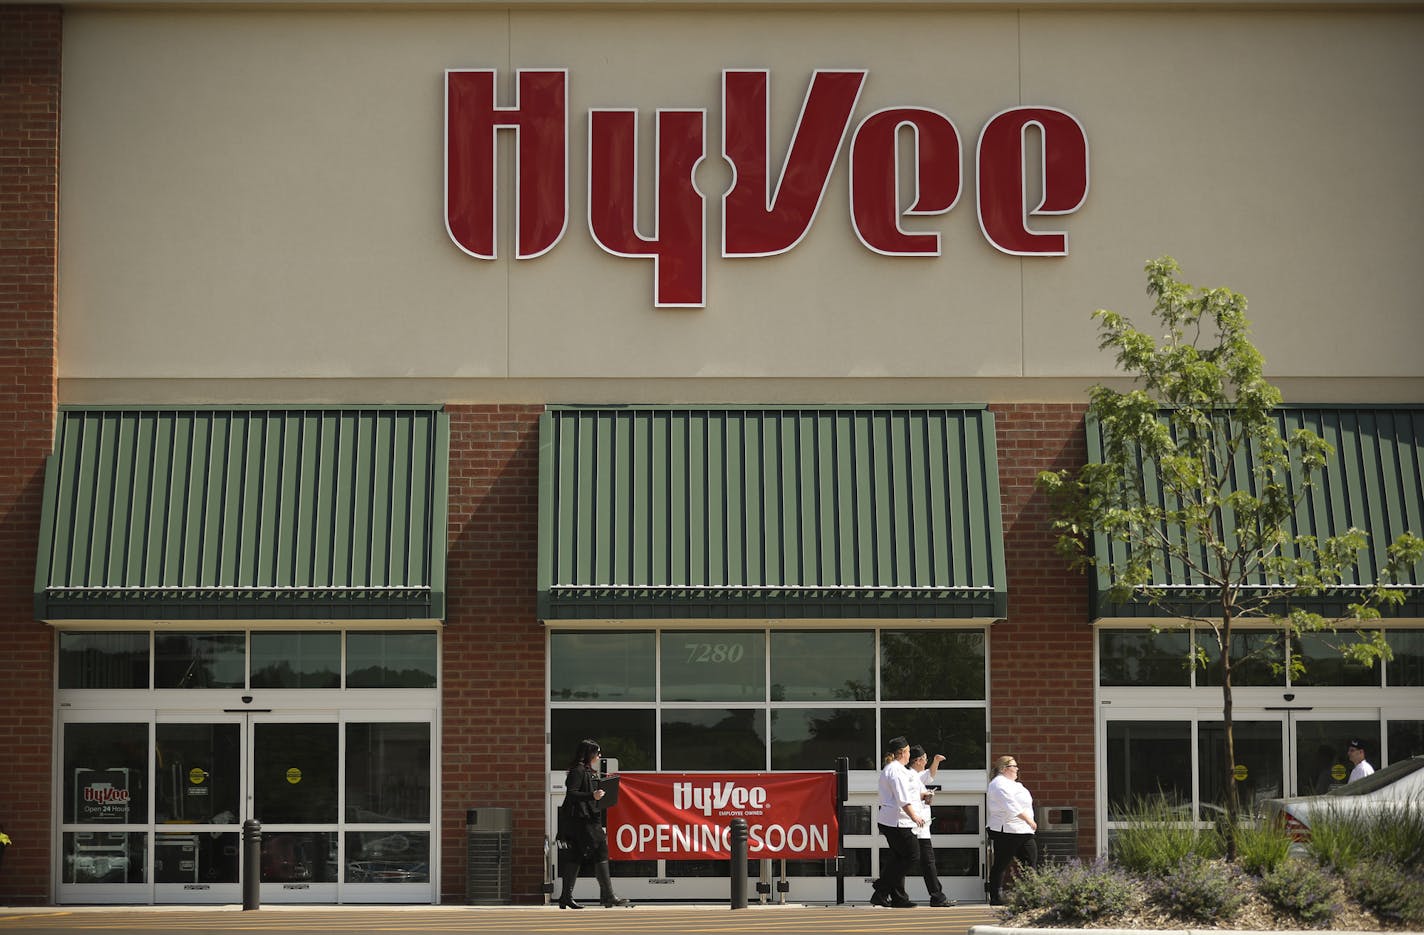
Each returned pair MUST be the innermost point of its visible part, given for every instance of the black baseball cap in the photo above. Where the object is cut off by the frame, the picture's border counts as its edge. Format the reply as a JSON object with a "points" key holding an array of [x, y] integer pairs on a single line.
{"points": [[1355, 744]]}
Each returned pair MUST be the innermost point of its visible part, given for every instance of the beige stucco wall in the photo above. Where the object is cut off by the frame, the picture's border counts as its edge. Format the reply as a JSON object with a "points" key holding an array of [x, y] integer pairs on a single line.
{"points": [[251, 205]]}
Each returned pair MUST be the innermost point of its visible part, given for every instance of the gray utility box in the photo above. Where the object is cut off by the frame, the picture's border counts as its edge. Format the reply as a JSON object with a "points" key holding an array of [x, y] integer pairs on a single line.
{"points": [[1057, 832], [489, 851]]}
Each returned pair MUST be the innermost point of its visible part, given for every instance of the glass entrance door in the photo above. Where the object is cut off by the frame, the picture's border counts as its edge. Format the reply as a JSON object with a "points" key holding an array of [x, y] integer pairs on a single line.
{"points": [[296, 796], [199, 800]]}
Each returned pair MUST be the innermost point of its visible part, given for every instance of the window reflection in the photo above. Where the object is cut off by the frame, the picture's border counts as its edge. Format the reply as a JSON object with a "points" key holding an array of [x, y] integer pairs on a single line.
{"points": [[1141, 657], [813, 738], [601, 666], [810, 665], [387, 857], [103, 660], [1256, 772], [199, 660], [958, 733], [713, 665], [929, 665], [1407, 666], [105, 856], [694, 739], [629, 735], [296, 660], [1148, 759], [387, 772], [390, 660], [1257, 658]]}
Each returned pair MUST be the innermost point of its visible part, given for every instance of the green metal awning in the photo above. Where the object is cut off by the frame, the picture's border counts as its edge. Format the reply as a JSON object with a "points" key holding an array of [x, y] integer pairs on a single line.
{"points": [[247, 513], [712, 512], [1374, 481]]}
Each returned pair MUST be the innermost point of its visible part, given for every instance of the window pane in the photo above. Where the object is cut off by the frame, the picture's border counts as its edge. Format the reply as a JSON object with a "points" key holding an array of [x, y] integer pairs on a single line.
{"points": [[857, 863], [627, 734], [1407, 666], [294, 773], [713, 740], [106, 773], [601, 666], [1141, 657], [1406, 739], [1320, 751], [390, 660], [1258, 753], [810, 665], [195, 857], [1324, 665], [1147, 759], [858, 819], [387, 857], [958, 733], [199, 773], [105, 856], [1256, 671], [812, 738], [103, 660], [713, 665], [298, 857], [387, 772], [296, 660], [931, 665], [199, 660], [955, 819]]}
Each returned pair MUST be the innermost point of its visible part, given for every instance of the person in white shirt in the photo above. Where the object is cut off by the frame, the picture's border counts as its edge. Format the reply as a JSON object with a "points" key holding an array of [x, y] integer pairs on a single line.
{"points": [[897, 820], [1355, 753], [923, 776], [1011, 825]]}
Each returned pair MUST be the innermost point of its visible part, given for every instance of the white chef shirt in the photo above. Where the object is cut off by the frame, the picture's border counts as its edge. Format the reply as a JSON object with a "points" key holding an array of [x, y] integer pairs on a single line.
{"points": [[896, 791], [1007, 799]]}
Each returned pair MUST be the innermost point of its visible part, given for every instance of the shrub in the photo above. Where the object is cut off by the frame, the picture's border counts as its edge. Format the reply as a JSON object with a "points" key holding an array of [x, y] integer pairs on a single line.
{"points": [[1200, 890], [1303, 890], [1072, 893], [1389, 891], [1261, 848], [1153, 838], [1338, 839], [1396, 834]]}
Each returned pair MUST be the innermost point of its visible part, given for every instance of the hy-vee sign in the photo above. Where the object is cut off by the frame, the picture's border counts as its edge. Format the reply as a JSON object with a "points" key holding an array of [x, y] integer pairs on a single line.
{"points": [[763, 214]]}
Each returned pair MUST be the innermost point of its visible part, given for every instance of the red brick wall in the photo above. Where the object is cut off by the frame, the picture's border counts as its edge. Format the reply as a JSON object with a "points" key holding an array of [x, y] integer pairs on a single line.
{"points": [[493, 644], [29, 166], [1041, 669]]}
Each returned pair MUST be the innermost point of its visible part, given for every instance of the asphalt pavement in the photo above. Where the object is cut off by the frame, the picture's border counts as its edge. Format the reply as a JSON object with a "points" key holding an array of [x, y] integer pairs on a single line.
{"points": [[425, 920]]}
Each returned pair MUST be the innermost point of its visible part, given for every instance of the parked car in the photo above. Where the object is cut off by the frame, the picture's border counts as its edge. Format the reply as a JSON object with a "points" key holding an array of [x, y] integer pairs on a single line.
{"points": [[1399, 785]]}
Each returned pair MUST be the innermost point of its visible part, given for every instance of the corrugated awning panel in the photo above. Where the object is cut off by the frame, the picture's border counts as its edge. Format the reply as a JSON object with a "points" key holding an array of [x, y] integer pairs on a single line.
{"points": [[154, 513], [652, 512], [1374, 481]]}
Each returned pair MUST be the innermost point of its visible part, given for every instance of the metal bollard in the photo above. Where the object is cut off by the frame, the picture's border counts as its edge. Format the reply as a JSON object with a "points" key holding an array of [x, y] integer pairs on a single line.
{"points": [[739, 863], [251, 864]]}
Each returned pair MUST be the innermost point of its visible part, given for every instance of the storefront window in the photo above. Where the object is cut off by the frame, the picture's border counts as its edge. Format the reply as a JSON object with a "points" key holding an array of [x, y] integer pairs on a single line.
{"points": [[706, 739], [811, 665], [1257, 658], [958, 733], [298, 857], [390, 660], [105, 856], [199, 660], [387, 857], [1325, 665], [601, 666], [199, 773], [1320, 751], [1257, 772], [294, 769], [1406, 669], [1142, 657], [1406, 739], [627, 734], [813, 738], [105, 774], [930, 665], [296, 659], [713, 665], [1146, 760], [387, 772], [103, 660]]}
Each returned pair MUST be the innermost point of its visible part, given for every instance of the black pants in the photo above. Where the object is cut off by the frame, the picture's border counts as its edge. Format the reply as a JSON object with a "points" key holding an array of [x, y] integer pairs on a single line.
{"points": [[901, 842], [1007, 847], [927, 867]]}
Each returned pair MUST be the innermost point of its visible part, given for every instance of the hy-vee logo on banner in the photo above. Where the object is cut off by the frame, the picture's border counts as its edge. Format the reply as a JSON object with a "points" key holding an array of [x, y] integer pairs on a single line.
{"points": [[763, 214]]}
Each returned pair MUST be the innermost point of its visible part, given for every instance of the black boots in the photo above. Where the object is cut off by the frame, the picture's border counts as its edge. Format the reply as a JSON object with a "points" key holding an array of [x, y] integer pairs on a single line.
{"points": [[605, 888], [568, 872]]}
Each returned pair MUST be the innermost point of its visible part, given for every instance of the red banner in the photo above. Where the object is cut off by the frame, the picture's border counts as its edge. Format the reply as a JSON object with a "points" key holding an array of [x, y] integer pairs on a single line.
{"points": [[686, 816]]}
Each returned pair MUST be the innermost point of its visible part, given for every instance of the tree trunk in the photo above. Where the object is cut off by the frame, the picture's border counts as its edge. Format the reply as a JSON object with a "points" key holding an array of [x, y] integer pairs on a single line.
{"points": [[1233, 801]]}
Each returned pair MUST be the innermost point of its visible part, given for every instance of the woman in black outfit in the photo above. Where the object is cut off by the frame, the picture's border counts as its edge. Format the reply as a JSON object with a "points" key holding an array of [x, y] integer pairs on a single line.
{"points": [[581, 836]]}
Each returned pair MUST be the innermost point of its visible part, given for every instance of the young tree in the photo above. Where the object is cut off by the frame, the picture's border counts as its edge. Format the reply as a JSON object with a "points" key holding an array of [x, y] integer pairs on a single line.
{"points": [[1226, 482]]}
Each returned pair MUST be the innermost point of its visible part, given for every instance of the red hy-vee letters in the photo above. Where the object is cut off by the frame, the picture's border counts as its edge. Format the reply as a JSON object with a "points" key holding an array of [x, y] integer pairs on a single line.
{"points": [[763, 214]]}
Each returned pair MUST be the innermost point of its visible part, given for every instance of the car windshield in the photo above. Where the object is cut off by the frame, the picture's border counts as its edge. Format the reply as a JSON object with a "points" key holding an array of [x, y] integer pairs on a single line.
{"points": [[1381, 778]]}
